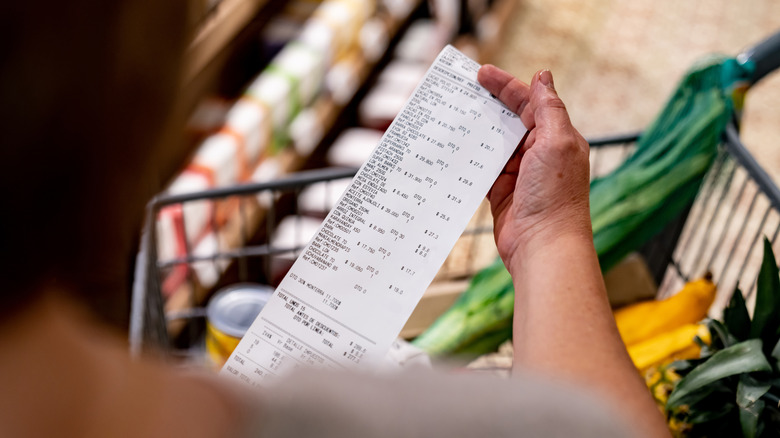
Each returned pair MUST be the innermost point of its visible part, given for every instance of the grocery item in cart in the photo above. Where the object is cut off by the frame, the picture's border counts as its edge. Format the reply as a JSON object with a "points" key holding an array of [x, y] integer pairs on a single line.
{"points": [[229, 314]]}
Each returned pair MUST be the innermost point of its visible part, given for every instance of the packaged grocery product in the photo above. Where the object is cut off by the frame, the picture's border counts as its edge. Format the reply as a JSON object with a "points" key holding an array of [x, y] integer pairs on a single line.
{"points": [[393, 87], [420, 43], [399, 9], [353, 147], [269, 169], [220, 161], [380, 106], [343, 78], [305, 65], [374, 38], [345, 18], [318, 199], [290, 236], [276, 92], [208, 268], [194, 216], [307, 129], [402, 74], [251, 120], [229, 314]]}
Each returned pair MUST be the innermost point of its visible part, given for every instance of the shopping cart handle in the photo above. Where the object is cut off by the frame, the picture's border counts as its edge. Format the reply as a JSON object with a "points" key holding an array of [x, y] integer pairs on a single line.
{"points": [[765, 56]]}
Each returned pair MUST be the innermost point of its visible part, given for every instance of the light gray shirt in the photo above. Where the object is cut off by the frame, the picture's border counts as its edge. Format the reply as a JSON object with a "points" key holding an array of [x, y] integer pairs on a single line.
{"points": [[421, 403]]}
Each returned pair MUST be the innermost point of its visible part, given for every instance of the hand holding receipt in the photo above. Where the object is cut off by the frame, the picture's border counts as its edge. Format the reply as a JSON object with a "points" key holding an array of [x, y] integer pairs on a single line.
{"points": [[354, 286]]}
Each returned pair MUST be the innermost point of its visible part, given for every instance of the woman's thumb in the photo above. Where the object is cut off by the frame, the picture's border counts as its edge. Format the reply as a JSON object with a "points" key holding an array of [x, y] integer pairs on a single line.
{"points": [[549, 110]]}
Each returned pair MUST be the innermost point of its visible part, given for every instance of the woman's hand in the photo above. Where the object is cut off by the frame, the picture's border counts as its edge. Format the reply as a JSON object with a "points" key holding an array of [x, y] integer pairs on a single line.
{"points": [[542, 192]]}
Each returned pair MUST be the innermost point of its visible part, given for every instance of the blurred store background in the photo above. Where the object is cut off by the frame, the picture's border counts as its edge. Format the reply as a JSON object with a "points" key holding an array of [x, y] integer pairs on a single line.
{"points": [[616, 62]]}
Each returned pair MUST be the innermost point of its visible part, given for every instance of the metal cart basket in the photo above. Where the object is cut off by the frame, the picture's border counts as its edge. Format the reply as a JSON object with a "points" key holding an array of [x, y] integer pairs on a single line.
{"points": [[737, 204]]}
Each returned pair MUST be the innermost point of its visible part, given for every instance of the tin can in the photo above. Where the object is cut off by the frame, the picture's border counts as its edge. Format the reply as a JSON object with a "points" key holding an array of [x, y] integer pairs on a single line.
{"points": [[229, 314]]}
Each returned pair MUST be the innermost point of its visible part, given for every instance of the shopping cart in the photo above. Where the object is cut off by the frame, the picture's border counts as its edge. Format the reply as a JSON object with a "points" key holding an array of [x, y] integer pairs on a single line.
{"points": [[720, 232]]}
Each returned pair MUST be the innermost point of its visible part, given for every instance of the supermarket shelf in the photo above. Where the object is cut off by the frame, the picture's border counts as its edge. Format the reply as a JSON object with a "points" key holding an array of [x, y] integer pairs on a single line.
{"points": [[289, 160]]}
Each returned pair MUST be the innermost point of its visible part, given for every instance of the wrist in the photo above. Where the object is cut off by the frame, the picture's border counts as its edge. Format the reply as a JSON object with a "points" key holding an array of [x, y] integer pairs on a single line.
{"points": [[550, 244]]}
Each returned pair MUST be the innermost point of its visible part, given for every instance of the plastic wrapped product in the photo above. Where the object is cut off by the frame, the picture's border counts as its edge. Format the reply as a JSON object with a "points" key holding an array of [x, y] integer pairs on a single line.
{"points": [[268, 170], [191, 218], [171, 244], [343, 79], [218, 159], [374, 38], [294, 232], [288, 84], [399, 9], [291, 235], [319, 36], [320, 198], [209, 271], [336, 16], [222, 158], [393, 87], [380, 106], [403, 75], [275, 90], [171, 237], [251, 120], [182, 226], [345, 18], [420, 43], [306, 65], [353, 147], [306, 130]]}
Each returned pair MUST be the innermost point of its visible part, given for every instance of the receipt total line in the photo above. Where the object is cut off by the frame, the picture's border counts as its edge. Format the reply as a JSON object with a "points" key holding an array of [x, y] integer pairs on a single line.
{"points": [[250, 359], [328, 316]]}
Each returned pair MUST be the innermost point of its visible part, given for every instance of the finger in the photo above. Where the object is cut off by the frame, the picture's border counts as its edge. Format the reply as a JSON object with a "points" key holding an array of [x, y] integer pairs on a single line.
{"points": [[508, 89], [548, 111]]}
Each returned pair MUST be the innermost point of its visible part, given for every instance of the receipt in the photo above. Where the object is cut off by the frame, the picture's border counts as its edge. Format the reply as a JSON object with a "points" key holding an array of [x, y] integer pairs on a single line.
{"points": [[350, 292]]}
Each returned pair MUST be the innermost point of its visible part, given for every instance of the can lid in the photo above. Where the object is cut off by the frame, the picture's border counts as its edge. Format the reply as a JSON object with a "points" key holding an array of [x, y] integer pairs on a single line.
{"points": [[233, 309]]}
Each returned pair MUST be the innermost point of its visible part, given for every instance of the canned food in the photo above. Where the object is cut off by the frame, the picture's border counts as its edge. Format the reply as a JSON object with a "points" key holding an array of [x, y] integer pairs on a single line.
{"points": [[229, 314]]}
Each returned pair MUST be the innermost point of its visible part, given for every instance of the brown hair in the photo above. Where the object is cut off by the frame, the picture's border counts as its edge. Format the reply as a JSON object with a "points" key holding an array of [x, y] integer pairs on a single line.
{"points": [[86, 93]]}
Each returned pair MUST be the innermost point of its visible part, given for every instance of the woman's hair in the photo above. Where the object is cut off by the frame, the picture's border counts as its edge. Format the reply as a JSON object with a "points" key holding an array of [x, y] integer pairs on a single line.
{"points": [[87, 92]]}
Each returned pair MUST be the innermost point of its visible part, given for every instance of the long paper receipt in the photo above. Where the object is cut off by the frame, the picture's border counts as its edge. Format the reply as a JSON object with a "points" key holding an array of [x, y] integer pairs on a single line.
{"points": [[354, 286]]}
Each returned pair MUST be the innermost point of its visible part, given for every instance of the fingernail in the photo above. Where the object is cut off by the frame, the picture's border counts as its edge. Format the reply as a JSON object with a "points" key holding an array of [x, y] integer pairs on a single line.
{"points": [[545, 77]]}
